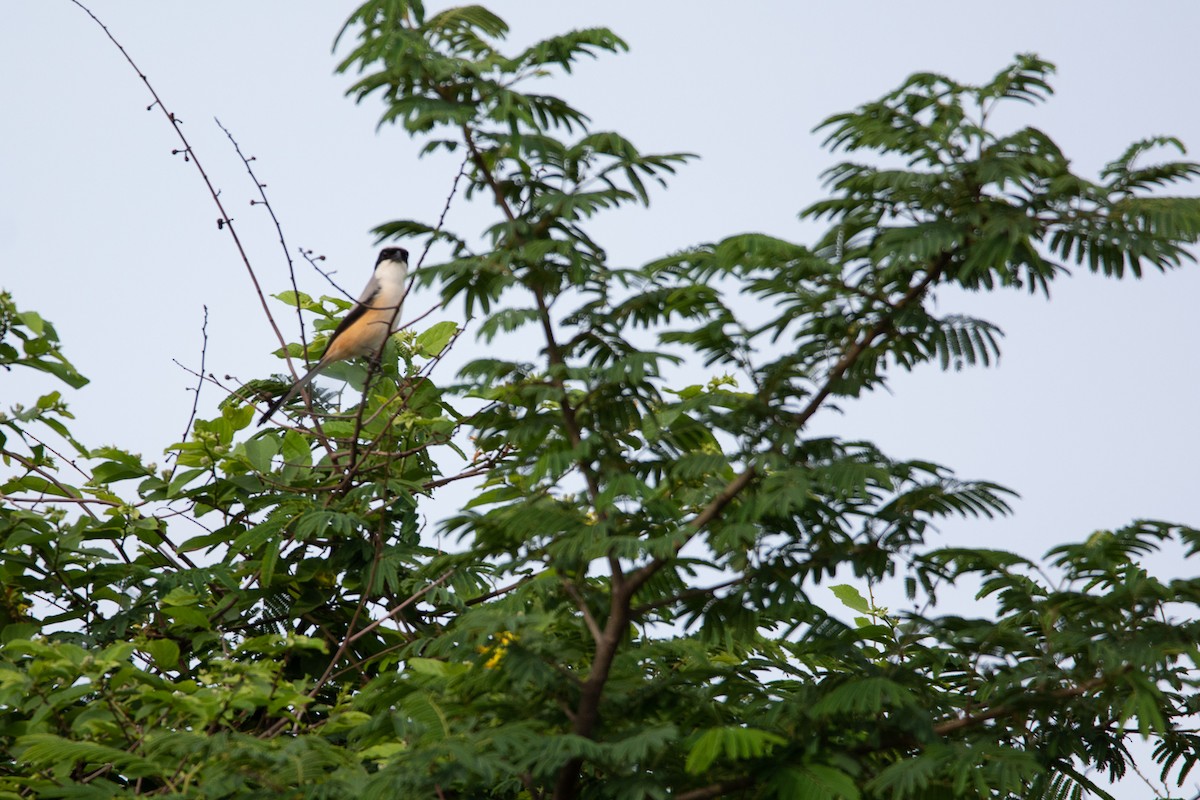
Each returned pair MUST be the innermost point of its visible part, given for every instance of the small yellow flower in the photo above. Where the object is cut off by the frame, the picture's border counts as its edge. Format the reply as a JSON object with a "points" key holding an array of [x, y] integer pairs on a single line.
{"points": [[497, 650]]}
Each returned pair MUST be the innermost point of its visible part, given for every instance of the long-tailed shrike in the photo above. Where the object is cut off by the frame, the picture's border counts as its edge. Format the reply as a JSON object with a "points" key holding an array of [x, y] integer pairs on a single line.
{"points": [[363, 330]]}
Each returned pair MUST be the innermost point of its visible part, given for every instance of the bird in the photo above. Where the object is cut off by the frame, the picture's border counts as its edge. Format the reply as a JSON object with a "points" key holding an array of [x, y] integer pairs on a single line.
{"points": [[364, 329]]}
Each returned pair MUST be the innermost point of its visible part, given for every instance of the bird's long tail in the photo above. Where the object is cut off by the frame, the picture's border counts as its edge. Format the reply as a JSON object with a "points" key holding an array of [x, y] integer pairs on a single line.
{"points": [[297, 386]]}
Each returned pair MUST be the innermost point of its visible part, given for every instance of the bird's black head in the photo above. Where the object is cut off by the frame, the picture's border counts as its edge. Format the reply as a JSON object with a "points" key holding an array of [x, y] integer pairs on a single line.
{"points": [[392, 254]]}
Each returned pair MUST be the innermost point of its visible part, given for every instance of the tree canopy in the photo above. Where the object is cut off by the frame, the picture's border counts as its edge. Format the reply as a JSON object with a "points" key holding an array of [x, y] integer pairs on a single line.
{"points": [[625, 606]]}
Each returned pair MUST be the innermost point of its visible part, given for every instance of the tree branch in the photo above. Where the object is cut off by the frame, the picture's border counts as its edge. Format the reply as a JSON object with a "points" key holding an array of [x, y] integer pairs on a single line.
{"points": [[852, 353], [717, 789], [581, 604], [971, 720], [847, 360], [407, 602]]}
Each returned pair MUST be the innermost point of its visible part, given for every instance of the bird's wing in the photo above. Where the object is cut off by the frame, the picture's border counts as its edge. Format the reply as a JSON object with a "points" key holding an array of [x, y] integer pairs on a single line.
{"points": [[369, 291], [361, 307]]}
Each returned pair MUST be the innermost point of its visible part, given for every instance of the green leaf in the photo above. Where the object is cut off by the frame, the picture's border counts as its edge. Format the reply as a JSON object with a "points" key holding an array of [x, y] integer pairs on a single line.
{"points": [[851, 598], [734, 744], [165, 652], [432, 341], [18, 630], [46, 751], [814, 782], [33, 321], [261, 450]]}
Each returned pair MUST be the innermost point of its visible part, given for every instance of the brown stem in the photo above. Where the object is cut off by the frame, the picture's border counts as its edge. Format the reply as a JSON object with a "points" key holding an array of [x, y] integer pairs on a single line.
{"points": [[717, 789], [587, 710], [710, 512], [847, 360], [971, 720], [490, 179], [581, 604], [855, 350], [398, 609]]}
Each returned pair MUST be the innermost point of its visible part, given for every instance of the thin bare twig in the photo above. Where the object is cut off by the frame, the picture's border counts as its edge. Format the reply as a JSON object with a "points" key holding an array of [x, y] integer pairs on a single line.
{"points": [[51, 499], [201, 376], [224, 221], [462, 169], [407, 602], [262, 192], [67, 491], [200, 382], [25, 434], [312, 260]]}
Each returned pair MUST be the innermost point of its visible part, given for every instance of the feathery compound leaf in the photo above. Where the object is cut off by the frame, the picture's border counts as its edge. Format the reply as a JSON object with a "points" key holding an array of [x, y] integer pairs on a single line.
{"points": [[863, 696], [1027, 80], [814, 782], [46, 750], [599, 566], [730, 743], [565, 49]]}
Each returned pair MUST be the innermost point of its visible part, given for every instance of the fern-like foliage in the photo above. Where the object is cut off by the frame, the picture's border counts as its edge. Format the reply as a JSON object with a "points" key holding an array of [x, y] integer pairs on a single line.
{"points": [[634, 600]]}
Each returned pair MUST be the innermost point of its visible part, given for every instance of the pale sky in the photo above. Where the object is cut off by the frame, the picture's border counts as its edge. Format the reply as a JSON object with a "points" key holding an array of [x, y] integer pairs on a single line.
{"points": [[1090, 415]]}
